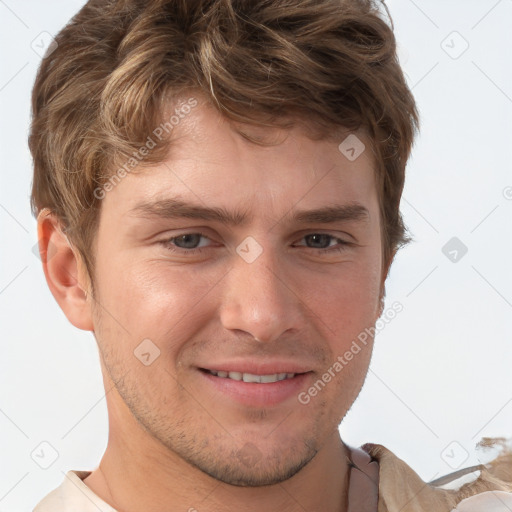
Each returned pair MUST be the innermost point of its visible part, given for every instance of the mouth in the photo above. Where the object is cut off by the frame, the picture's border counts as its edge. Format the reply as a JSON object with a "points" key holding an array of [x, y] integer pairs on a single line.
{"points": [[262, 388], [251, 377]]}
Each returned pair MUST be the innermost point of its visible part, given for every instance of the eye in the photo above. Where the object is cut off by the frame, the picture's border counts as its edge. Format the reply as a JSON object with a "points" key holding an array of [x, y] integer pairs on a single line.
{"points": [[325, 243], [319, 240], [187, 242]]}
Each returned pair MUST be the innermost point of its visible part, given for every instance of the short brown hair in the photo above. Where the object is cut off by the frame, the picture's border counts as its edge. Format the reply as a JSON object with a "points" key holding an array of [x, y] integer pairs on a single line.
{"points": [[117, 64]]}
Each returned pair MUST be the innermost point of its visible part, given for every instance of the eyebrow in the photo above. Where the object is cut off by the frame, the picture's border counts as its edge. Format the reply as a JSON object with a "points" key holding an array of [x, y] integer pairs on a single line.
{"points": [[173, 208]]}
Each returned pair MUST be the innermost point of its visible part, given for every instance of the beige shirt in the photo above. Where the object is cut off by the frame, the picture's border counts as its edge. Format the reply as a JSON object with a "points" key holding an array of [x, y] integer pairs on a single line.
{"points": [[73, 495], [379, 482]]}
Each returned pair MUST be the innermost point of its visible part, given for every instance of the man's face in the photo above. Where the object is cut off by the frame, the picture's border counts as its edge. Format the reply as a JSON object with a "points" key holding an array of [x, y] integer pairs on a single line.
{"points": [[279, 292]]}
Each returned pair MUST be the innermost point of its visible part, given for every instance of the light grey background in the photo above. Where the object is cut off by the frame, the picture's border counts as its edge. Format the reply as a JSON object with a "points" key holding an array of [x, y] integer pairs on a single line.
{"points": [[440, 378]]}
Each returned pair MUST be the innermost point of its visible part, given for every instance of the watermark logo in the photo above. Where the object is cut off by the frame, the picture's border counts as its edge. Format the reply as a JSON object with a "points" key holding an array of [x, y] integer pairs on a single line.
{"points": [[146, 352], [454, 249], [45, 255], [44, 44], [249, 250], [455, 455], [249, 455], [157, 136], [352, 147], [343, 360], [454, 45], [44, 455]]}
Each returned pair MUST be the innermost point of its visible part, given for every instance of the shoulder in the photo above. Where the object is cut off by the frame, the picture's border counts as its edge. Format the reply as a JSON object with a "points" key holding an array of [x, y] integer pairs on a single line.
{"points": [[71, 495], [400, 487]]}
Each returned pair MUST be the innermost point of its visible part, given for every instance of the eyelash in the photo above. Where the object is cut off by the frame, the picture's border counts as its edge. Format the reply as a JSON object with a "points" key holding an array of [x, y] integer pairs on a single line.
{"points": [[198, 250]]}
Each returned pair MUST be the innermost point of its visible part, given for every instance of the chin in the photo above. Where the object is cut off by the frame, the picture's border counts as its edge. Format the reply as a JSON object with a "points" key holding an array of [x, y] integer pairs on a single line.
{"points": [[250, 467], [239, 475]]}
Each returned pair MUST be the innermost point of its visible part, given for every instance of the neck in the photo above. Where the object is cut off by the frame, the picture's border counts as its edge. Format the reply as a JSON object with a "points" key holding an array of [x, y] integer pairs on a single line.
{"points": [[138, 473]]}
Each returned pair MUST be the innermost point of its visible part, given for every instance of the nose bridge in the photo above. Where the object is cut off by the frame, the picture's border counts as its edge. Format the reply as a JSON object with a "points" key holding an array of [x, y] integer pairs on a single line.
{"points": [[257, 299]]}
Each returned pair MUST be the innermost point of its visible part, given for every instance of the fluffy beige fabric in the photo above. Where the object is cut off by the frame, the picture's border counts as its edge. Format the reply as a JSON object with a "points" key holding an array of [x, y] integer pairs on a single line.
{"points": [[402, 490]]}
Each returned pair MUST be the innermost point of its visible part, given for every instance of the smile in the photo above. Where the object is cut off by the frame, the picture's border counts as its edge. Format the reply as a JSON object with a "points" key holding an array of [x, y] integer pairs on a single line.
{"points": [[250, 377]]}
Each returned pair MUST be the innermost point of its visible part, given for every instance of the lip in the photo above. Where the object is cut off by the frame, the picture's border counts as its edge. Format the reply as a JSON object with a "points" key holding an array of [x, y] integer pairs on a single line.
{"points": [[252, 394]]}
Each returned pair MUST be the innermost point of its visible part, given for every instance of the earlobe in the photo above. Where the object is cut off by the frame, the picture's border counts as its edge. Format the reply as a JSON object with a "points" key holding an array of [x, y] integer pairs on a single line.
{"points": [[64, 271]]}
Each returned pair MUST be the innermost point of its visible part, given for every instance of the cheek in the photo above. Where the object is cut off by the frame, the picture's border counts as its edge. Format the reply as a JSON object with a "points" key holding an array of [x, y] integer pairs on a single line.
{"points": [[344, 301], [149, 299], [347, 311]]}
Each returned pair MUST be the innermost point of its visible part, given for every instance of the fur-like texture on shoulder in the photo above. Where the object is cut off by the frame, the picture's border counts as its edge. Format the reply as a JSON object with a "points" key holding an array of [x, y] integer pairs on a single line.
{"points": [[401, 489]]}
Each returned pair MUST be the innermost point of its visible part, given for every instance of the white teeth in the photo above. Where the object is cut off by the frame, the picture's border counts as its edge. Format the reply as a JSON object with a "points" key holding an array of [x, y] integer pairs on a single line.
{"points": [[250, 377]]}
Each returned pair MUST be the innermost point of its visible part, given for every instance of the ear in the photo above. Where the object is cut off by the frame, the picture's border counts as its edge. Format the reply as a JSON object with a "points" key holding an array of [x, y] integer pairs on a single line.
{"points": [[385, 272], [65, 271]]}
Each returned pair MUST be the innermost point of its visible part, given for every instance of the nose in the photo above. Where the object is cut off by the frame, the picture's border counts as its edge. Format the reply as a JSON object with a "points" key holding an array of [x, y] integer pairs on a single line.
{"points": [[259, 299]]}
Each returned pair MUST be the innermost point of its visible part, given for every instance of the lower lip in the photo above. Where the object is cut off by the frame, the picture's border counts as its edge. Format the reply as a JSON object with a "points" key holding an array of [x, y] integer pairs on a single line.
{"points": [[253, 394]]}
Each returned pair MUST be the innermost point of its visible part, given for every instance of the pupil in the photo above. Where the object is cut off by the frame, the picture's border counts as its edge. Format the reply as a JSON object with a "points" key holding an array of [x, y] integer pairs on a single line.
{"points": [[319, 241], [188, 241]]}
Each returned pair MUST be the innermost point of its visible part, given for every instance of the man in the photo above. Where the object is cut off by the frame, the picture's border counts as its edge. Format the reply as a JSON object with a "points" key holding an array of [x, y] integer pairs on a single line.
{"points": [[217, 185]]}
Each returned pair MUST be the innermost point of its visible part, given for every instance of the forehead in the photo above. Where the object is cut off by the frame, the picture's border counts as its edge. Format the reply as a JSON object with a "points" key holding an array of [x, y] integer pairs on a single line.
{"points": [[211, 160]]}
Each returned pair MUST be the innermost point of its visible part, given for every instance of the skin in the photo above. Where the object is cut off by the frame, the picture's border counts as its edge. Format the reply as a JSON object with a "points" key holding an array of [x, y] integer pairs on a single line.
{"points": [[176, 441]]}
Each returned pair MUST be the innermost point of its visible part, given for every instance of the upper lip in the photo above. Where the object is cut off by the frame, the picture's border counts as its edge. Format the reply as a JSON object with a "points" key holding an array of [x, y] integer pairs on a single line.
{"points": [[257, 367]]}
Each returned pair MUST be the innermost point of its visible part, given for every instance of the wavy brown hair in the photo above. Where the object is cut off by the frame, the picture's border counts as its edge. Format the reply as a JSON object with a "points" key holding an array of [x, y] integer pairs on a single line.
{"points": [[118, 64]]}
